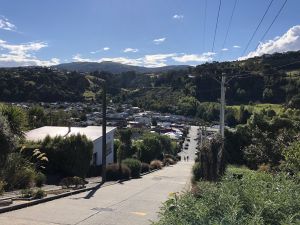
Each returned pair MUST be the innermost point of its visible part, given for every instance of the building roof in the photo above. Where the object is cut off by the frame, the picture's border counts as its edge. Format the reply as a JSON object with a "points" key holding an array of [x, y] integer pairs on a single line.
{"points": [[91, 132]]}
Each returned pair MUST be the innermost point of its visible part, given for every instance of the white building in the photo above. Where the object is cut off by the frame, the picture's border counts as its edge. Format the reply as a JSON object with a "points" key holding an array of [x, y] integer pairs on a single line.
{"points": [[93, 133]]}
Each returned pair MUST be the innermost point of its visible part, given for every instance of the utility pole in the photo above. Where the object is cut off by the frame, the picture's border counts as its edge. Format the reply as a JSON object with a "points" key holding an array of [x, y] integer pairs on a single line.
{"points": [[222, 108], [104, 132]]}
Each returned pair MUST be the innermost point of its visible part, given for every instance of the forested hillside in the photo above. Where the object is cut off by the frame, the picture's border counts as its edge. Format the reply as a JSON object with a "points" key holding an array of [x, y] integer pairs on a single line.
{"points": [[268, 79], [115, 68]]}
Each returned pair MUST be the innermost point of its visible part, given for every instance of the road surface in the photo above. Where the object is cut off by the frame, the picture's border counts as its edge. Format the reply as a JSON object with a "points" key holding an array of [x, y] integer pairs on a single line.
{"points": [[134, 202], [192, 144]]}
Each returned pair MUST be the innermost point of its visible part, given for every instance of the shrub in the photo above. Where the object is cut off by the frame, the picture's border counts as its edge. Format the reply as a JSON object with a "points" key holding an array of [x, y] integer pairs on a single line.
{"points": [[70, 156], [7, 140], [156, 164], [145, 168], [174, 158], [134, 165], [40, 179], [292, 158], [39, 194], [150, 148], [27, 193], [18, 173], [117, 172], [256, 198], [2, 184], [169, 161], [196, 172], [76, 182]]}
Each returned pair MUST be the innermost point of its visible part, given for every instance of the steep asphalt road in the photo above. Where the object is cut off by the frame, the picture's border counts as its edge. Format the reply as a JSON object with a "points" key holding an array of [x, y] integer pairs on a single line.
{"points": [[134, 202]]}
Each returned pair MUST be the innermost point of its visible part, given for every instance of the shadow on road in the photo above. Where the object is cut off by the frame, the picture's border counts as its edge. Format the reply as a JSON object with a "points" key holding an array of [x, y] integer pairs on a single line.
{"points": [[92, 192]]}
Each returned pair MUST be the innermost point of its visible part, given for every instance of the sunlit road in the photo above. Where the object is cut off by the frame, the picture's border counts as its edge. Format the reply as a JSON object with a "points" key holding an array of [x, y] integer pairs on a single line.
{"points": [[134, 202], [192, 144]]}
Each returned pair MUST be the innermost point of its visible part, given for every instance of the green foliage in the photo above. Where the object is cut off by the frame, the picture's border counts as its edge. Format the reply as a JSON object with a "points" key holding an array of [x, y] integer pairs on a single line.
{"points": [[117, 144], [36, 117], [169, 161], [153, 146], [295, 102], [18, 173], [196, 172], [291, 156], [188, 106], [8, 142], [16, 118], [69, 156], [40, 179], [76, 182], [117, 172], [41, 84], [263, 138], [2, 185], [250, 198], [150, 148], [134, 165], [27, 193], [145, 168], [39, 194], [156, 165], [35, 156], [125, 149]]}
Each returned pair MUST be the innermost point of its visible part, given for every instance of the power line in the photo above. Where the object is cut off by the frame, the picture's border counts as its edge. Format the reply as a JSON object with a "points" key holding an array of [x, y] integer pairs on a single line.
{"points": [[229, 25], [273, 21], [257, 27], [216, 27]]}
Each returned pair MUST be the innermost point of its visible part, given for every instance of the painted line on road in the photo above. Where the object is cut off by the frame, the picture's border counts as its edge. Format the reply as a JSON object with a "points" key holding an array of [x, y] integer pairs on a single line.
{"points": [[139, 213]]}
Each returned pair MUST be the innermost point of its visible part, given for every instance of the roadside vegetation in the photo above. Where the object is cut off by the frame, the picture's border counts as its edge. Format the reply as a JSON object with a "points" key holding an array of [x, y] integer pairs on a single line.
{"points": [[263, 186], [241, 196]]}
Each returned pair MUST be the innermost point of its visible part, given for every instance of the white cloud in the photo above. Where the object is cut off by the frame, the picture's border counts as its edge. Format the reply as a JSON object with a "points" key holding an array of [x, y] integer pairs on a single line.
{"points": [[6, 25], [178, 17], [159, 40], [123, 60], [224, 49], [23, 54], [185, 58], [237, 46], [130, 50], [290, 41], [154, 60], [103, 49], [157, 60]]}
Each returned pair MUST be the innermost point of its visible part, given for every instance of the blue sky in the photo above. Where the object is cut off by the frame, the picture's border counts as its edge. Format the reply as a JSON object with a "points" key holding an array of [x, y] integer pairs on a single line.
{"points": [[140, 32]]}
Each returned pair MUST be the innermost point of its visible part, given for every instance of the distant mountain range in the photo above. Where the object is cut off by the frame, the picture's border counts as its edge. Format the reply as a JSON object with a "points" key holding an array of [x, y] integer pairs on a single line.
{"points": [[115, 68]]}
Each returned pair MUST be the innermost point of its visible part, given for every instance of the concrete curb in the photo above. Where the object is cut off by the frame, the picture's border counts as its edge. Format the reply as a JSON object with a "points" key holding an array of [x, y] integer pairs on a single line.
{"points": [[51, 198]]}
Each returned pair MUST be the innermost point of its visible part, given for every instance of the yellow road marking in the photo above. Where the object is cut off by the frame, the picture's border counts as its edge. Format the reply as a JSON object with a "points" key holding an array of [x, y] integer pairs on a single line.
{"points": [[139, 213]]}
